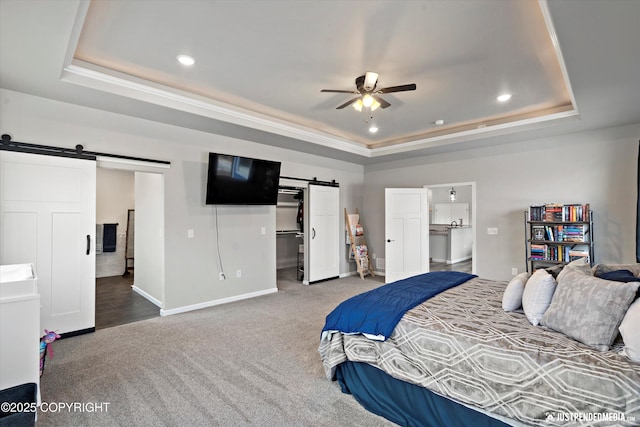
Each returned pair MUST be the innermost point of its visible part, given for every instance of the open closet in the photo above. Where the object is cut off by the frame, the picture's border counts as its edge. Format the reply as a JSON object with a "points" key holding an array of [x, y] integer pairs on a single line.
{"points": [[290, 229], [307, 228]]}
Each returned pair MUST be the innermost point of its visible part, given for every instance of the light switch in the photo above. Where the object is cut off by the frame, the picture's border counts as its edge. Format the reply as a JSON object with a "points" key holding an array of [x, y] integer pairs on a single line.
{"points": [[492, 230], [190, 233]]}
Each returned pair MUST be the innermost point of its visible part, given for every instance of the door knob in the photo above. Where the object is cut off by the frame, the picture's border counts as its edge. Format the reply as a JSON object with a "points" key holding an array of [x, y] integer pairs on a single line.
{"points": [[389, 240]]}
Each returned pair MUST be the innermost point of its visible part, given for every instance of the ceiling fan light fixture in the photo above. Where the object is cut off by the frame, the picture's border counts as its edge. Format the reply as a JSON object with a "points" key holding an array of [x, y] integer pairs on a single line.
{"points": [[367, 100], [370, 80], [357, 105], [375, 105]]}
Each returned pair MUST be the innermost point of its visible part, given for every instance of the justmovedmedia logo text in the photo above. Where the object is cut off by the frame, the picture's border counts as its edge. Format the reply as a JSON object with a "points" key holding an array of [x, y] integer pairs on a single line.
{"points": [[588, 416]]}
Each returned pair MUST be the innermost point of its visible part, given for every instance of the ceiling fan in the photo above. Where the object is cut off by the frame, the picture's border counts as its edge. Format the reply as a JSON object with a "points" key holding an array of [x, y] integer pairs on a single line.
{"points": [[368, 94]]}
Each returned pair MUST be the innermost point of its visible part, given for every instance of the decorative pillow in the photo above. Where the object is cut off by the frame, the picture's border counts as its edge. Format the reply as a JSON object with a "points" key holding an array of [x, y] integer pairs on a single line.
{"points": [[631, 332], [512, 297], [537, 295], [589, 309], [580, 265]]}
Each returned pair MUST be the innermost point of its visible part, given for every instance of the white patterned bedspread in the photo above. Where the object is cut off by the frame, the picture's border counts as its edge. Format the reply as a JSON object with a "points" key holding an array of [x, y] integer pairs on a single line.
{"points": [[462, 345]]}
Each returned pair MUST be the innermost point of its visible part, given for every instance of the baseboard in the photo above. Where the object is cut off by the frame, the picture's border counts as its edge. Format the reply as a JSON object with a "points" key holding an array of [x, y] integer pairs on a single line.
{"points": [[76, 333], [212, 303], [350, 273], [146, 296]]}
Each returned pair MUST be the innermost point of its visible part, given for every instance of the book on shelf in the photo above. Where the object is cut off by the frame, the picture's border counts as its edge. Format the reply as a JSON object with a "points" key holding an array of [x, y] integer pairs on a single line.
{"points": [[557, 212], [578, 254], [538, 252], [560, 233]]}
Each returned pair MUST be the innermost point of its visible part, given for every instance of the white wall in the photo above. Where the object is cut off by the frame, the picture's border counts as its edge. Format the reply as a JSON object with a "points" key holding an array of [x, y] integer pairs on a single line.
{"points": [[191, 266], [148, 262], [597, 167], [114, 197]]}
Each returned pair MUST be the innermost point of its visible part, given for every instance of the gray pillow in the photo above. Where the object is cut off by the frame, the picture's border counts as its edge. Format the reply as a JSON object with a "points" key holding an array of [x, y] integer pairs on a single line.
{"points": [[631, 332], [589, 309], [512, 296], [580, 265], [537, 295]]}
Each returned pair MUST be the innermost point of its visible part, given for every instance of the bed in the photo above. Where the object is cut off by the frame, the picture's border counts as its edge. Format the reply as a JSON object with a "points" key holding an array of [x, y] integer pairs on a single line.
{"points": [[458, 358]]}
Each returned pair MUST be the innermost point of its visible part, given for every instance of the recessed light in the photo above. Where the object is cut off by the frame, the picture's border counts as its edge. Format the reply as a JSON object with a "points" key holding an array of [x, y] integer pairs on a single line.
{"points": [[504, 97], [186, 60], [439, 122], [373, 129]]}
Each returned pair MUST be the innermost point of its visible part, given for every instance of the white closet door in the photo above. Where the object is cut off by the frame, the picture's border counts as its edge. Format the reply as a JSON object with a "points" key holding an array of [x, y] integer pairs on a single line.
{"points": [[48, 211], [323, 233]]}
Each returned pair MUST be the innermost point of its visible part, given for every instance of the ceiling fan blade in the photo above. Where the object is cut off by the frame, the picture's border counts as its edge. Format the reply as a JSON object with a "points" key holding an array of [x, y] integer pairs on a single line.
{"points": [[383, 103], [339, 91], [346, 104], [401, 88]]}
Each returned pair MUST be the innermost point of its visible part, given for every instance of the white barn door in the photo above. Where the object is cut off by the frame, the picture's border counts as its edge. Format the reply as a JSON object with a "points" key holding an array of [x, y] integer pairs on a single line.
{"points": [[47, 213], [322, 233], [406, 233]]}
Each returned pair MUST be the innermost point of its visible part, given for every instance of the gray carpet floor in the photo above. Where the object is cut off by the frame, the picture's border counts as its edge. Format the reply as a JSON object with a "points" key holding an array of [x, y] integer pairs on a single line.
{"points": [[248, 363]]}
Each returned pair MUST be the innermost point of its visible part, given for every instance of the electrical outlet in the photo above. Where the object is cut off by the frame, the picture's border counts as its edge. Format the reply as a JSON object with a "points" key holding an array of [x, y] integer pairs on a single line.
{"points": [[492, 231], [221, 276], [514, 271]]}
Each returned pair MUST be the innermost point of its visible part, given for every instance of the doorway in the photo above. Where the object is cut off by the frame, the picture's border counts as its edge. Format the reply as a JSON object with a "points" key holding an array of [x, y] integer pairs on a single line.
{"points": [[123, 293], [452, 226]]}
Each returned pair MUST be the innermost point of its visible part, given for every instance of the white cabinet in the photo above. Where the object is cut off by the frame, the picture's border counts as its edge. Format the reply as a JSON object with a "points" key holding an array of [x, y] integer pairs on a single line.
{"points": [[447, 212], [19, 326], [322, 233]]}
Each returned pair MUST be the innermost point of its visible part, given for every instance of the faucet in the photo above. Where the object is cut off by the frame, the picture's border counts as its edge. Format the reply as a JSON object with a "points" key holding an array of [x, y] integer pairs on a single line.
{"points": [[453, 223]]}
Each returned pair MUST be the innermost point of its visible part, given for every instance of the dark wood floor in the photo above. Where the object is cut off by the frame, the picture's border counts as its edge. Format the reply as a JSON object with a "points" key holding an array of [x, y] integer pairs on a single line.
{"points": [[463, 266], [117, 303]]}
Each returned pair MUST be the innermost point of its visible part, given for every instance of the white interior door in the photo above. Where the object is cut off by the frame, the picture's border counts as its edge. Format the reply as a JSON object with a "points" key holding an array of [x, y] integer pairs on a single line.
{"points": [[322, 233], [406, 232], [48, 210]]}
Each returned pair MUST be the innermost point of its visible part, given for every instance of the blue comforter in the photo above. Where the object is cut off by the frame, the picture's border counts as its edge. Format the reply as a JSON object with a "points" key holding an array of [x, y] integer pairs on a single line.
{"points": [[375, 313]]}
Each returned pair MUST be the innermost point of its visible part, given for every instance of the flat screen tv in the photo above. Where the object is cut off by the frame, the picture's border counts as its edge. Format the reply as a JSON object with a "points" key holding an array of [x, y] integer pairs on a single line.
{"points": [[235, 180]]}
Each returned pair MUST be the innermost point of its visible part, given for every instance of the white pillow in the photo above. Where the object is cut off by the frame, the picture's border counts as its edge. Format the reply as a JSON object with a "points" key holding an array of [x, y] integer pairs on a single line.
{"points": [[537, 295], [631, 332], [512, 297]]}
